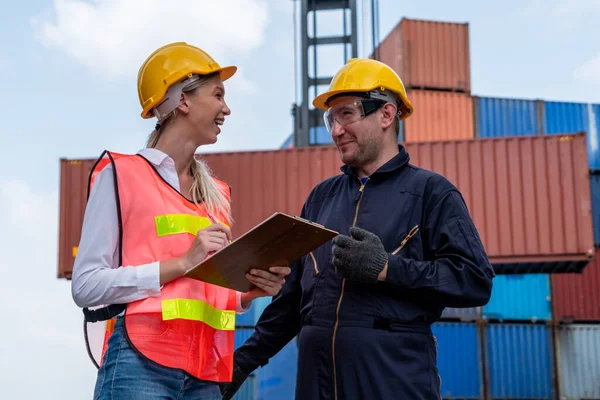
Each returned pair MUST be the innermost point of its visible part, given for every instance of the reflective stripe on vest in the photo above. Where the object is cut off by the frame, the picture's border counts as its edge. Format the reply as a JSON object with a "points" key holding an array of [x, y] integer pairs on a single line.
{"points": [[173, 224], [197, 310]]}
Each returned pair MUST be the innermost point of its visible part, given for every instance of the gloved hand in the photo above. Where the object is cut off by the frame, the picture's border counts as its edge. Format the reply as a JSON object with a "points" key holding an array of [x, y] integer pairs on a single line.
{"points": [[359, 257], [229, 389]]}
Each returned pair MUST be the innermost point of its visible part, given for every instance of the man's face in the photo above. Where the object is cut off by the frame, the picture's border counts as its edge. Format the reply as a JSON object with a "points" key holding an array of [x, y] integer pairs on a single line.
{"points": [[360, 142]]}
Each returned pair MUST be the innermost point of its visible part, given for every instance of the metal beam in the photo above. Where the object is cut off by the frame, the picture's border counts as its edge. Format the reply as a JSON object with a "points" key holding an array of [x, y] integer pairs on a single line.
{"points": [[306, 118], [329, 40]]}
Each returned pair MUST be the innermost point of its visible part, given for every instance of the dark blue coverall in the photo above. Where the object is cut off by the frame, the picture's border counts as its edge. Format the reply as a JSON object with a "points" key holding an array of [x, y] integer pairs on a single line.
{"points": [[373, 341]]}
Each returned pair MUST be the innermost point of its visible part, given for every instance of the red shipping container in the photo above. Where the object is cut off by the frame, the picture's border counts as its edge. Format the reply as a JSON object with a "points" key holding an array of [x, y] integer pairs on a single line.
{"points": [[529, 196], [73, 198], [429, 54], [439, 116], [576, 297]]}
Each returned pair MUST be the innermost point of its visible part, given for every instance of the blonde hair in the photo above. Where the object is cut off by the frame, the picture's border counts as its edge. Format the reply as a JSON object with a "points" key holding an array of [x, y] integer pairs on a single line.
{"points": [[203, 188]]}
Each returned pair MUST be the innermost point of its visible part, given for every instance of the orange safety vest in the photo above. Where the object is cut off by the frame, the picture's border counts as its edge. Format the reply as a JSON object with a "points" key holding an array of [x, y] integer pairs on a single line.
{"points": [[190, 326]]}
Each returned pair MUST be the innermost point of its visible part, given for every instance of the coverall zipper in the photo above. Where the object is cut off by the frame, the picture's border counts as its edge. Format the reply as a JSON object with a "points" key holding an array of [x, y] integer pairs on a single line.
{"points": [[337, 311]]}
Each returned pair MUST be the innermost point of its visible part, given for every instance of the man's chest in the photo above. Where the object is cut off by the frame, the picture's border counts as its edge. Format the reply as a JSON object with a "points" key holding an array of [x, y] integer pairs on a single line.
{"points": [[392, 216]]}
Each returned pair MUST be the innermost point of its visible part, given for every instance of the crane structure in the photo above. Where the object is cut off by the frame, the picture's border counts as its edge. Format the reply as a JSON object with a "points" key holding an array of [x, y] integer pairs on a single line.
{"points": [[306, 117]]}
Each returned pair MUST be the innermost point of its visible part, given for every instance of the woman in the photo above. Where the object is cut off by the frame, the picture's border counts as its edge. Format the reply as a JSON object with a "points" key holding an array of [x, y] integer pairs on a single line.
{"points": [[150, 218]]}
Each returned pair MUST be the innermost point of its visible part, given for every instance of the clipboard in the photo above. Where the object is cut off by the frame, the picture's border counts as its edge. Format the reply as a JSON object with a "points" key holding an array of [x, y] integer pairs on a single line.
{"points": [[278, 240]]}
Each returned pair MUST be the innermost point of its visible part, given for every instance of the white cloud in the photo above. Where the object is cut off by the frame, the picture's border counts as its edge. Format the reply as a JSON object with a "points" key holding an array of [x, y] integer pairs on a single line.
{"points": [[559, 10], [113, 37], [589, 72], [41, 339]]}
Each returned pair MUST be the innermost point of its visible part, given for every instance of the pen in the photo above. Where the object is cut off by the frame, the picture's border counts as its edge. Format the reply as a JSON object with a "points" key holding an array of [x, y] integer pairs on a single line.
{"points": [[213, 220]]}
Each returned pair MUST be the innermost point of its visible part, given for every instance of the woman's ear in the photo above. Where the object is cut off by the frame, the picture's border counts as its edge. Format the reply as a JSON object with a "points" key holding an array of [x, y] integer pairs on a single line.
{"points": [[184, 105]]}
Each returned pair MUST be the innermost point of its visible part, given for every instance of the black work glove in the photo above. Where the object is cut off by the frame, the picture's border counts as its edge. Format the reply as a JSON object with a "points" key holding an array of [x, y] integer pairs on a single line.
{"points": [[360, 257], [229, 389]]}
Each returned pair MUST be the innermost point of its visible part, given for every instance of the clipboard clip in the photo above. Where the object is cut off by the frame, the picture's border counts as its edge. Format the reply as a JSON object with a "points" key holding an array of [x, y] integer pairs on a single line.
{"points": [[309, 222]]}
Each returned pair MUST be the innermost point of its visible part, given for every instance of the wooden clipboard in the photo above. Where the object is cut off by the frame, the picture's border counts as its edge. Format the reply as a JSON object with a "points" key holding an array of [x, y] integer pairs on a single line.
{"points": [[278, 240]]}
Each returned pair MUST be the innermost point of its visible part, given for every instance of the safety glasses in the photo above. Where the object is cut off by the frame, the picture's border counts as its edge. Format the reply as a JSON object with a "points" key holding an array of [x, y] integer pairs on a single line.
{"points": [[346, 114]]}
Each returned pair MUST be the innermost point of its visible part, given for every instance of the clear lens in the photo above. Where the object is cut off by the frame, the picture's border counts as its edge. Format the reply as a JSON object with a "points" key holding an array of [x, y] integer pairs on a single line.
{"points": [[343, 114], [346, 114]]}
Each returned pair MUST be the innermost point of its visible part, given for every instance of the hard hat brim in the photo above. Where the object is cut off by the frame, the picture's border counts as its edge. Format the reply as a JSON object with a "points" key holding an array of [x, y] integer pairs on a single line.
{"points": [[321, 100]]}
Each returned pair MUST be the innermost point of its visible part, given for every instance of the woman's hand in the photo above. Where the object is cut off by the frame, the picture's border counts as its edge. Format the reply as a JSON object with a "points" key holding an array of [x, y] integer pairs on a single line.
{"points": [[267, 283], [210, 239]]}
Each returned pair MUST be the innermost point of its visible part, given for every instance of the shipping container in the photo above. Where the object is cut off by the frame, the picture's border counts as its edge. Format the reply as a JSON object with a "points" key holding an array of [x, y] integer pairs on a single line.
{"points": [[520, 361], [429, 54], [248, 389], [595, 193], [520, 297], [73, 198], [462, 314], [503, 117], [528, 196], [578, 354], [560, 117], [251, 317], [514, 187], [274, 381], [459, 360], [439, 116], [576, 297]]}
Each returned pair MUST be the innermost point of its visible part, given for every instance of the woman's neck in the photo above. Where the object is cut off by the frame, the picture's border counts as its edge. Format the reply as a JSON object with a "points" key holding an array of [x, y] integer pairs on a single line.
{"points": [[180, 149]]}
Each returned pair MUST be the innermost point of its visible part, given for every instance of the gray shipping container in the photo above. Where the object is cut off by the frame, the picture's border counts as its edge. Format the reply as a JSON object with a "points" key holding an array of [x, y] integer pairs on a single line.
{"points": [[462, 314], [578, 359]]}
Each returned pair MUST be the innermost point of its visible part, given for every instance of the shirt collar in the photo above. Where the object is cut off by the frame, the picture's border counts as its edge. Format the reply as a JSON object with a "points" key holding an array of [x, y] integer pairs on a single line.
{"points": [[156, 156]]}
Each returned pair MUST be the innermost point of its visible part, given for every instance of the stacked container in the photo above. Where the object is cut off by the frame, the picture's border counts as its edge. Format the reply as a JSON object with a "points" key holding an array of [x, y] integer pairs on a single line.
{"points": [[432, 59], [502, 117]]}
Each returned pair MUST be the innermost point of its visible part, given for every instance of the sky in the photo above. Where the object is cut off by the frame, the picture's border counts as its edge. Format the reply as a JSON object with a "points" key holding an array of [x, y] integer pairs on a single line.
{"points": [[69, 69]]}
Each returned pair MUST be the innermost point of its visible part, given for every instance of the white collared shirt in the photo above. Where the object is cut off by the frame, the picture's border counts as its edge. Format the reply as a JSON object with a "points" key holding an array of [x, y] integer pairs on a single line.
{"points": [[97, 278]]}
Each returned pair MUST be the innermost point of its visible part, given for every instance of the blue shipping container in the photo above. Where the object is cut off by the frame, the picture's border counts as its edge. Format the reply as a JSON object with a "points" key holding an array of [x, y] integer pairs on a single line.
{"points": [[575, 117], [595, 193], [520, 361], [319, 135], [277, 379], [248, 389], [520, 297], [250, 317], [501, 117], [459, 360]]}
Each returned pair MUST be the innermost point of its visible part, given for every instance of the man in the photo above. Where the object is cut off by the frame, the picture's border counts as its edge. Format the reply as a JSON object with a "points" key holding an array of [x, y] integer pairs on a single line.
{"points": [[362, 305]]}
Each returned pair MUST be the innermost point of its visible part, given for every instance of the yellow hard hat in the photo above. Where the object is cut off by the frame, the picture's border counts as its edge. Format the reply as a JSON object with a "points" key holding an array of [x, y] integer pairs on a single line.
{"points": [[361, 75], [171, 64]]}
